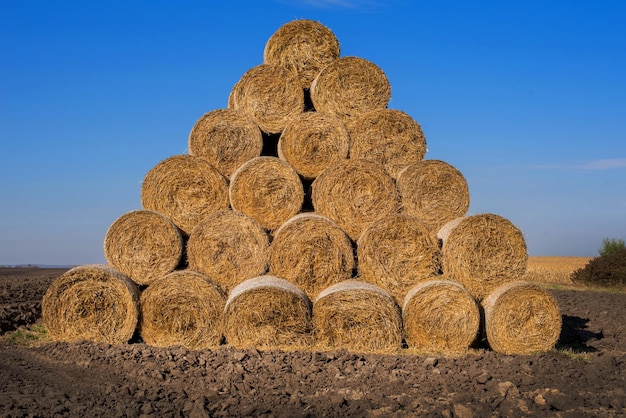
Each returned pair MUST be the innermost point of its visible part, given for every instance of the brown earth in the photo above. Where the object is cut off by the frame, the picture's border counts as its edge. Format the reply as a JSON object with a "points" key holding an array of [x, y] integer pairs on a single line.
{"points": [[584, 376]]}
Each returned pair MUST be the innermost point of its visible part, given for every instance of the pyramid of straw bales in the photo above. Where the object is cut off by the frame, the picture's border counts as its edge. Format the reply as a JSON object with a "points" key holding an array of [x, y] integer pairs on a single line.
{"points": [[306, 215]]}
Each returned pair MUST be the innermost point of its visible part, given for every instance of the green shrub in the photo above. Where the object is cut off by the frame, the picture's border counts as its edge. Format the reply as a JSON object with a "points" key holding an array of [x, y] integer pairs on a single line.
{"points": [[604, 271], [611, 246]]}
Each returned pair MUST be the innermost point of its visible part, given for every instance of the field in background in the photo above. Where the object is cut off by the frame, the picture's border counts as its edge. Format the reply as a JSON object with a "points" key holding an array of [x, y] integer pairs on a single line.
{"points": [[558, 270]]}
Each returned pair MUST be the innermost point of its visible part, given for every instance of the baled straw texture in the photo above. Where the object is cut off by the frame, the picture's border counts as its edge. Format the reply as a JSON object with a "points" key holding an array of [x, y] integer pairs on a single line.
{"points": [[388, 136], [444, 231], [183, 308], [186, 189], [440, 315], [433, 191], [270, 95], [229, 247], [303, 47], [349, 87], [313, 142], [355, 193], [144, 245], [312, 252], [397, 252], [521, 318], [357, 316], [268, 190], [91, 302], [268, 312], [483, 252], [226, 138]]}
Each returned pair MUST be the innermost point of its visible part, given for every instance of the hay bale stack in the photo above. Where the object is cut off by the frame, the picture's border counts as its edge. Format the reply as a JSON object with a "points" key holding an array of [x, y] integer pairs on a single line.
{"points": [[397, 252], [268, 312], [303, 47], [144, 245], [312, 252], [483, 252], [440, 315], [182, 308], [357, 316], [521, 318], [92, 302], [229, 247], [268, 190], [349, 87], [355, 193], [226, 138], [388, 136], [186, 189], [433, 191], [313, 142], [270, 95]]}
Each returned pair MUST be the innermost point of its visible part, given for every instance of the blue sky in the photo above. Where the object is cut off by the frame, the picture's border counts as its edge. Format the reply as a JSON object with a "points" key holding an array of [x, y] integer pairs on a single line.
{"points": [[526, 98]]}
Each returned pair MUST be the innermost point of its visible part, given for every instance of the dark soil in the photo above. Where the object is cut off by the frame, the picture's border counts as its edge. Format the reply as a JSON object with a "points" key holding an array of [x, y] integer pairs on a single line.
{"points": [[584, 376]]}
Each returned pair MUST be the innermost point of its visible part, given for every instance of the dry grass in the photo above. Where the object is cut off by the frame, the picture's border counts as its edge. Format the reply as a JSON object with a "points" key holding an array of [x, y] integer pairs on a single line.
{"points": [[556, 270]]}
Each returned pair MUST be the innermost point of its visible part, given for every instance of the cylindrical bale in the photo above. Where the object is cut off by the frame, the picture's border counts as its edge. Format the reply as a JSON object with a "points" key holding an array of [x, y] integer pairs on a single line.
{"points": [[521, 318], [270, 95], [483, 252], [388, 136], [397, 252], [303, 47], [433, 191], [226, 138], [268, 312], [355, 193], [186, 189], [144, 245], [229, 247], [440, 315], [444, 231], [91, 302], [268, 190], [313, 142], [357, 316], [349, 87], [183, 308], [312, 252]]}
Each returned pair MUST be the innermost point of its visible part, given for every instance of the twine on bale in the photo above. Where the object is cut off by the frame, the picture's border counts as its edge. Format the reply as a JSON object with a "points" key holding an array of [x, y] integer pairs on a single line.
{"points": [[182, 308], [521, 318], [229, 247], [91, 302], [226, 138], [268, 190], [144, 245], [186, 189], [357, 316], [440, 315], [312, 252], [268, 312]]}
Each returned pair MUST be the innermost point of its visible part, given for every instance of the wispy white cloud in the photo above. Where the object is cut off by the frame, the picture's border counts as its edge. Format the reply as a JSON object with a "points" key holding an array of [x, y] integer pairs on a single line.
{"points": [[601, 164]]}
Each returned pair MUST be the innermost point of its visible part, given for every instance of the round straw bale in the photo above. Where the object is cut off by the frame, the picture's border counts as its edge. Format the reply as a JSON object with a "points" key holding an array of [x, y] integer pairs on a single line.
{"points": [[92, 302], [521, 318], [397, 252], [226, 138], [268, 190], [357, 316], [268, 312], [144, 245], [433, 191], [313, 142], [354, 193], [229, 247], [444, 231], [483, 252], [388, 136], [312, 252], [440, 315], [182, 308], [270, 95], [303, 47], [349, 87], [185, 189]]}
